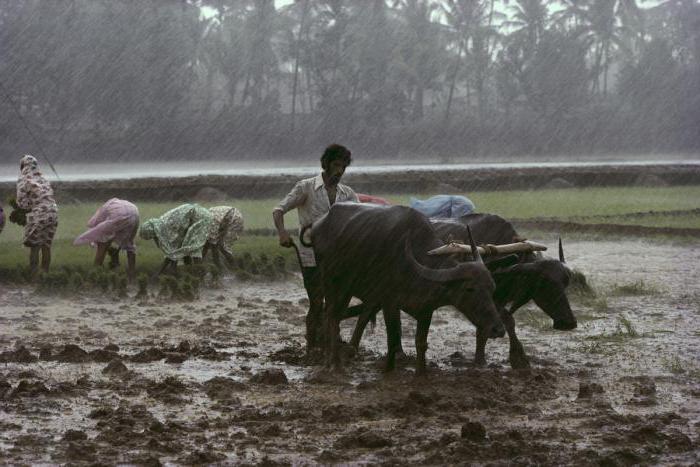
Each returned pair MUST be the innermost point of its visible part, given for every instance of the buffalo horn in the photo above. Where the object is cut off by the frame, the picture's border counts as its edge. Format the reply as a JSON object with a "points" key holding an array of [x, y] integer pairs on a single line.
{"points": [[434, 275], [489, 250]]}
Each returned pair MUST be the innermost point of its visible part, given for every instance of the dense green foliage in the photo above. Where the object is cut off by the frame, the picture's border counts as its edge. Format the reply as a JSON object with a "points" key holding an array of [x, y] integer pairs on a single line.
{"points": [[106, 79]]}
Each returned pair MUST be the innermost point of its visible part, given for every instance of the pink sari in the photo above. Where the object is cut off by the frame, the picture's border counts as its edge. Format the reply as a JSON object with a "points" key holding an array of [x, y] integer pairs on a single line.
{"points": [[115, 221]]}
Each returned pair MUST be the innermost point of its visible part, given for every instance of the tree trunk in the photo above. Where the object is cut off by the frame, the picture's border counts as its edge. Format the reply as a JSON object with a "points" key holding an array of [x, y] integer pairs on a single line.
{"points": [[453, 84], [296, 59]]}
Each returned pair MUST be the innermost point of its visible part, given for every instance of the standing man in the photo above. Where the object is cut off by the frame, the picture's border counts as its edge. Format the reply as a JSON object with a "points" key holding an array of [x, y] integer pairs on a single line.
{"points": [[313, 197]]}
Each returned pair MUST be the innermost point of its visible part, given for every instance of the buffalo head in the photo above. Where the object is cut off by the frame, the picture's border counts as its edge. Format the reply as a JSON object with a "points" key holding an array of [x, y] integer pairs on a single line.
{"points": [[544, 281], [467, 286]]}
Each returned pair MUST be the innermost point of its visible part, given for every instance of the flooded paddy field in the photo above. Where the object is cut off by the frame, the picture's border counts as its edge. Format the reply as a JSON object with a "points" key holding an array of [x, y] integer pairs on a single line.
{"points": [[91, 379]]}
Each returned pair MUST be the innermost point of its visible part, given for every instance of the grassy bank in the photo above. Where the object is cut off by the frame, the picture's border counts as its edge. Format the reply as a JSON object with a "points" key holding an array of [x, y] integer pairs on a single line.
{"points": [[581, 205]]}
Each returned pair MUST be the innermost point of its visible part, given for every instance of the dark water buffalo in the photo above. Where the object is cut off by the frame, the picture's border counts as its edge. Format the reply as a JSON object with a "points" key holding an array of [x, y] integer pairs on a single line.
{"points": [[379, 254], [533, 277]]}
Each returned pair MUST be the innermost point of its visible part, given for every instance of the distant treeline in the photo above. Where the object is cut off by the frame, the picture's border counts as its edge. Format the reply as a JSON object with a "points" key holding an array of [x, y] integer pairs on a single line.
{"points": [[179, 79]]}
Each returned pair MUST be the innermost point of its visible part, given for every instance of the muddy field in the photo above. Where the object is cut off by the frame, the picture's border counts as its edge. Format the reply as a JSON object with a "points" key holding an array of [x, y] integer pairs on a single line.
{"points": [[224, 380]]}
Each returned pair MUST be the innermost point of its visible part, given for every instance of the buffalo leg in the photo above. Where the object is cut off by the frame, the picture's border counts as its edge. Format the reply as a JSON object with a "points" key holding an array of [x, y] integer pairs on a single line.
{"points": [[314, 290], [369, 313], [480, 354], [422, 342], [393, 335], [516, 354], [334, 308]]}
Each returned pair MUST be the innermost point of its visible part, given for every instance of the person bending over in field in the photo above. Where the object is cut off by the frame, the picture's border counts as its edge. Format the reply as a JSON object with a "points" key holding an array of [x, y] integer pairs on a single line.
{"points": [[180, 233], [313, 197], [115, 221], [223, 233], [35, 196]]}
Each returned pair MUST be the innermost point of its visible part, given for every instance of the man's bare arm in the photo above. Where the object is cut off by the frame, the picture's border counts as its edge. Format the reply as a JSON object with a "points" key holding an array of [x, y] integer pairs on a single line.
{"points": [[285, 239]]}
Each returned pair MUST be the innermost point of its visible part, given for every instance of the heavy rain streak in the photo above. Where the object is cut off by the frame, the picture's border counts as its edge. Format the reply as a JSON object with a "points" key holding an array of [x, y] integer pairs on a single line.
{"points": [[302, 232]]}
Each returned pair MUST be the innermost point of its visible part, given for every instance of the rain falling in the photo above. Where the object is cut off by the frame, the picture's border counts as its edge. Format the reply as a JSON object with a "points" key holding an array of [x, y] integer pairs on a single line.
{"points": [[284, 232]]}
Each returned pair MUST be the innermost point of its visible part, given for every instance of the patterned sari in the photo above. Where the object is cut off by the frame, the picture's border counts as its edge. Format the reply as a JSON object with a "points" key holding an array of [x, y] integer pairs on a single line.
{"points": [[180, 232]]}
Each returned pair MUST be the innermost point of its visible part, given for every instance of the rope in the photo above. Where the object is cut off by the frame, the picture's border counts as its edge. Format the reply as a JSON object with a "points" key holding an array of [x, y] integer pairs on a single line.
{"points": [[490, 249]]}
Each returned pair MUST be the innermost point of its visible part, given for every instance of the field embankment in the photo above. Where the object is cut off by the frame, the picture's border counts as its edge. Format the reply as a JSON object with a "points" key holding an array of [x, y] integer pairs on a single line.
{"points": [[453, 180]]}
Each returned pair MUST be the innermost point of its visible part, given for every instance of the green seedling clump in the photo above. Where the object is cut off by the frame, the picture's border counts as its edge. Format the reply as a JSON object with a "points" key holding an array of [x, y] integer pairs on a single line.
{"points": [[53, 282], [280, 264], [76, 282], [215, 275], [122, 284], [244, 275], [186, 291], [579, 284], [163, 286], [174, 287], [113, 280], [143, 285], [197, 270]]}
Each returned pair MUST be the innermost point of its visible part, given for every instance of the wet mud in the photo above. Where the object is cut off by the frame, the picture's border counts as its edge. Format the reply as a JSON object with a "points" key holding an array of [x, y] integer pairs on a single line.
{"points": [[226, 380]]}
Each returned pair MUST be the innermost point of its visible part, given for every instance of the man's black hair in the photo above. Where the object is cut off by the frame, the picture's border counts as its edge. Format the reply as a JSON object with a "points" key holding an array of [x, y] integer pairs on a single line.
{"points": [[335, 152]]}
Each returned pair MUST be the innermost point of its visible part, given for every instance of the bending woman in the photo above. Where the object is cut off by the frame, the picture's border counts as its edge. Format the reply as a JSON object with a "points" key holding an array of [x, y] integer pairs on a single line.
{"points": [[34, 194], [115, 221], [179, 233], [223, 233]]}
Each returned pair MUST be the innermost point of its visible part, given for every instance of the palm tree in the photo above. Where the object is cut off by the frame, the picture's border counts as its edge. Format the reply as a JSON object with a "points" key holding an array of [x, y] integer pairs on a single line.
{"points": [[472, 32], [420, 49], [597, 24], [529, 19]]}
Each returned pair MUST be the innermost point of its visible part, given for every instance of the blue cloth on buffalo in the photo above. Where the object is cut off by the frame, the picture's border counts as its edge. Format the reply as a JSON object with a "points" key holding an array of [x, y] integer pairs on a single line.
{"points": [[450, 206]]}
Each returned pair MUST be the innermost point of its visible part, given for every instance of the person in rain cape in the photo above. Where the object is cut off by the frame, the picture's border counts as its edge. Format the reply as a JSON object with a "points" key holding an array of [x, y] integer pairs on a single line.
{"points": [[35, 196], [180, 233], [115, 221], [223, 233]]}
